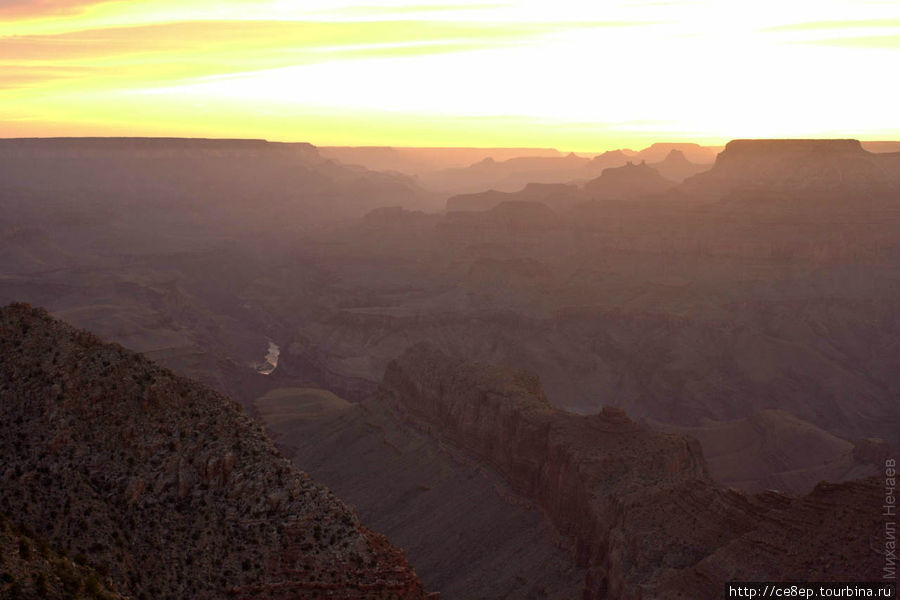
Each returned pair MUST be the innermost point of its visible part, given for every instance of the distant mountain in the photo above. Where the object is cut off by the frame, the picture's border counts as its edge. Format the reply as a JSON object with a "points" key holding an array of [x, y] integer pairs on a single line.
{"points": [[627, 183], [510, 169], [163, 485], [200, 184], [695, 153], [676, 167], [607, 160], [507, 175], [415, 161], [437, 166], [824, 168]]}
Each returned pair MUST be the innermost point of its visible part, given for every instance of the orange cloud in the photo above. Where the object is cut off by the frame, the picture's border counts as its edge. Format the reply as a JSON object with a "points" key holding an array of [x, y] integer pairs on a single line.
{"points": [[236, 36], [29, 9], [149, 54], [18, 76], [566, 73]]}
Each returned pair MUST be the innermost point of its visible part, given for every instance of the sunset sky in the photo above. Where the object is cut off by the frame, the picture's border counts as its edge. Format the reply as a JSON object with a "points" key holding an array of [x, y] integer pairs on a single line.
{"points": [[575, 75]]}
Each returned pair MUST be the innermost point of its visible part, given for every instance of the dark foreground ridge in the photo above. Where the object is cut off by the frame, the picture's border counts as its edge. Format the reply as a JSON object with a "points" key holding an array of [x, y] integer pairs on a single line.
{"points": [[637, 506], [162, 484]]}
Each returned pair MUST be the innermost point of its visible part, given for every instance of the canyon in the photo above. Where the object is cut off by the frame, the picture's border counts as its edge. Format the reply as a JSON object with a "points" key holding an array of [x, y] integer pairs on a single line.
{"points": [[632, 346]]}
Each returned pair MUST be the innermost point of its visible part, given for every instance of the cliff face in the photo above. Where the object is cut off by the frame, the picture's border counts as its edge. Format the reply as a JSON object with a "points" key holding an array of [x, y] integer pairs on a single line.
{"points": [[637, 505], [165, 484]]}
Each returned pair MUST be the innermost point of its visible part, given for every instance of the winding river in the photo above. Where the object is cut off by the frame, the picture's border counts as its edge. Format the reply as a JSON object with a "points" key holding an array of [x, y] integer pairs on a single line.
{"points": [[268, 366]]}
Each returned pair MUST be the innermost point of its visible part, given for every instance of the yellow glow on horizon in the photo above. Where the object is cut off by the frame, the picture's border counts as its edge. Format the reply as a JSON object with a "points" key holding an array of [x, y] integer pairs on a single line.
{"points": [[577, 75]]}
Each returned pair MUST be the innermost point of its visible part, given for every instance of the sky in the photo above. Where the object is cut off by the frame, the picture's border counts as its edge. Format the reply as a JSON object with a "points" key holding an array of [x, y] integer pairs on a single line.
{"points": [[582, 75]]}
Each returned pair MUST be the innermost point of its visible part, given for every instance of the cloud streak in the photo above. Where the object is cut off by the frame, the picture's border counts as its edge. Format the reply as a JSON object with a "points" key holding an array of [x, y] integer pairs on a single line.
{"points": [[153, 53], [31, 9], [832, 25], [225, 67]]}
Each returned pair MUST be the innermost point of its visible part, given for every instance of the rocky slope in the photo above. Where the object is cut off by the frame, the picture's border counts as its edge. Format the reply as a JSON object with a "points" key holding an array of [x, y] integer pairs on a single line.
{"points": [[30, 569], [165, 484], [638, 506]]}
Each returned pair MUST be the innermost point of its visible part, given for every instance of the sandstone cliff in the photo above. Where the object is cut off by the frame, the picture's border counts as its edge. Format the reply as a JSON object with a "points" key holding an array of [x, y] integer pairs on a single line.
{"points": [[165, 484]]}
